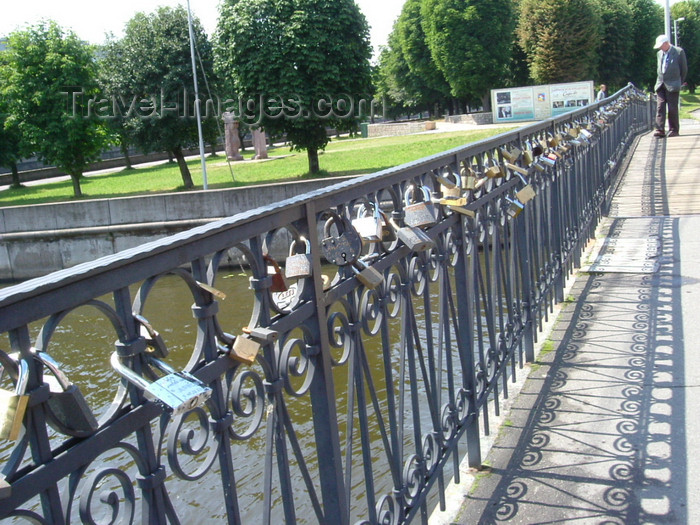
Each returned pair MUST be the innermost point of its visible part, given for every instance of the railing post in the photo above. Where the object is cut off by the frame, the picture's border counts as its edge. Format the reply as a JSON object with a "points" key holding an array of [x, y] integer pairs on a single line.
{"points": [[464, 288]]}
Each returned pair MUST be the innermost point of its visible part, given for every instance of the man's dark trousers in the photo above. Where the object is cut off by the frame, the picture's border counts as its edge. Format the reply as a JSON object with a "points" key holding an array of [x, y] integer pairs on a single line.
{"points": [[664, 98]]}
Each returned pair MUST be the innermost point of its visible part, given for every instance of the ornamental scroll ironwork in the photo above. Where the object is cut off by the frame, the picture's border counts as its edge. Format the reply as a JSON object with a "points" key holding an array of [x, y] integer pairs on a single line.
{"points": [[340, 396]]}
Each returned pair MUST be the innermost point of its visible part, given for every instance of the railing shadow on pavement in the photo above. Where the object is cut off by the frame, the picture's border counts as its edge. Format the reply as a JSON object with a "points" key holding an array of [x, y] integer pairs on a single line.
{"points": [[598, 434]]}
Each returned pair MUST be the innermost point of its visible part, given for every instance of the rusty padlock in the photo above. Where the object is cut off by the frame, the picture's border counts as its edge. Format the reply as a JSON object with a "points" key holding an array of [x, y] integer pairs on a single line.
{"points": [[298, 265], [422, 213], [274, 270], [344, 248]]}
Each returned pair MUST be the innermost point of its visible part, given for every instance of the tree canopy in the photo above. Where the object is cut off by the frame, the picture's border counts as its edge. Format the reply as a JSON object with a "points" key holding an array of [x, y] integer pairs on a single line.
{"points": [[560, 39], [298, 66], [689, 37], [51, 76], [148, 73]]}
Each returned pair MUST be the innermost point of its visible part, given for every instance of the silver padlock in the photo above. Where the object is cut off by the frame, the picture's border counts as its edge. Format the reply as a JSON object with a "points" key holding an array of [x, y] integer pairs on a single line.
{"points": [[515, 207], [298, 265], [67, 410], [177, 392], [415, 238], [368, 226], [13, 405], [422, 213]]}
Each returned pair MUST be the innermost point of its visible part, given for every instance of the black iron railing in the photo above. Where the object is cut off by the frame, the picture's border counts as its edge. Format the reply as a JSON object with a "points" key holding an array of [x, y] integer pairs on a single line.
{"points": [[343, 399]]}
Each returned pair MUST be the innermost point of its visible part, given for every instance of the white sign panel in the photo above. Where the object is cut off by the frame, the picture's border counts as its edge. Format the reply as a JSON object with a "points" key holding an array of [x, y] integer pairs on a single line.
{"points": [[539, 102]]}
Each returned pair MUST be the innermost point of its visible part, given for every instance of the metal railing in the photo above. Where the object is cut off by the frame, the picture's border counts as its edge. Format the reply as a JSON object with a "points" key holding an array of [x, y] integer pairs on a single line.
{"points": [[347, 398]]}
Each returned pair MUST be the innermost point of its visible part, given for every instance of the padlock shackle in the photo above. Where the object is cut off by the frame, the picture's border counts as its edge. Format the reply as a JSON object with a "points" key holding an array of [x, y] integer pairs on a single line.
{"points": [[127, 373], [408, 195], [50, 363], [22, 377], [293, 245]]}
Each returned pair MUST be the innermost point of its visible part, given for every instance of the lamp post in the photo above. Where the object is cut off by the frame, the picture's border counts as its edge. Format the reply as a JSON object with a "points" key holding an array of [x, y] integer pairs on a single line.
{"points": [[675, 29]]}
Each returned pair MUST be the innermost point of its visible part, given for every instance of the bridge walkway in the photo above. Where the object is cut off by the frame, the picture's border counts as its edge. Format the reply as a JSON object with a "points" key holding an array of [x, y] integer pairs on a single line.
{"points": [[606, 428]]}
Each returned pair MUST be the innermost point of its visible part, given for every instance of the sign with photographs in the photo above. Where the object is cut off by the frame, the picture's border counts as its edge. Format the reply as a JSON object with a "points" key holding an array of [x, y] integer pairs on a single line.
{"points": [[539, 102]]}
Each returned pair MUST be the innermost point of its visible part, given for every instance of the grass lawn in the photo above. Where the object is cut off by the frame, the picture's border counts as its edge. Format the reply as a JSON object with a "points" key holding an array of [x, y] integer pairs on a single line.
{"points": [[689, 103], [342, 157]]}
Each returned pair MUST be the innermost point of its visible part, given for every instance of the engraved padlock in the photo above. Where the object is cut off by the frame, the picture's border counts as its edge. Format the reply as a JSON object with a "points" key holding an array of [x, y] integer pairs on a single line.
{"points": [[367, 275], [298, 265], [274, 270], [67, 409], [368, 226], [450, 189], [422, 213], [13, 405], [415, 238], [343, 248], [177, 392]]}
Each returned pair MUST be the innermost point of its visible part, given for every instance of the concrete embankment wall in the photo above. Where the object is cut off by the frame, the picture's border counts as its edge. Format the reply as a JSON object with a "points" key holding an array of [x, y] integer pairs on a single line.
{"points": [[39, 239]]}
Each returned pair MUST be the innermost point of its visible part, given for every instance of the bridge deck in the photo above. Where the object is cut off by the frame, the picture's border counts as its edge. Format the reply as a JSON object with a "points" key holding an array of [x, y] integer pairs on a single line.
{"points": [[607, 428]]}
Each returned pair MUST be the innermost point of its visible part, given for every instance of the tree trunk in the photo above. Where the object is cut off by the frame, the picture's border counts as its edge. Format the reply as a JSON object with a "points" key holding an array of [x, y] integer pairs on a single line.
{"points": [[313, 160], [486, 102], [125, 152], [184, 169], [75, 178], [212, 152], [15, 176]]}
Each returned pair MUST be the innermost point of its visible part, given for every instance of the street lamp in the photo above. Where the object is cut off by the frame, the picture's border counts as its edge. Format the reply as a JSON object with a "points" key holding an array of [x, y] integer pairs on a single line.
{"points": [[675, 29]]}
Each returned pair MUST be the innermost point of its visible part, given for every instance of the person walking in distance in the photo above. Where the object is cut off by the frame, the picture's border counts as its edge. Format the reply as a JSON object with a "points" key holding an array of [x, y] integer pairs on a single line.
{"points": [[671, 69], [603, 93]]}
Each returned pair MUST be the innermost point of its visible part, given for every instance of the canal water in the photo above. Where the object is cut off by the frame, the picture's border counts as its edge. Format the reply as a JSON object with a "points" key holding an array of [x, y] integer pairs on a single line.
{"points": [[84, 341]]}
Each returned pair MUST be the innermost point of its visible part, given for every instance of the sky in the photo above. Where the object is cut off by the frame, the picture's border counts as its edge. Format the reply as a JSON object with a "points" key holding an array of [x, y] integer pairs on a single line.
{"points": [[91, 21]]}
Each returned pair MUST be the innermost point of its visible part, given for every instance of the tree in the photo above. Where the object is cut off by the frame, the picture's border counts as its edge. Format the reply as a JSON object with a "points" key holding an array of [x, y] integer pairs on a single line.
{"points": [[647, 24], [560, 38], [302, 64], [689, 37], [51, 77], [470, 43], [148, 74], [10, 137], [615, 50]]}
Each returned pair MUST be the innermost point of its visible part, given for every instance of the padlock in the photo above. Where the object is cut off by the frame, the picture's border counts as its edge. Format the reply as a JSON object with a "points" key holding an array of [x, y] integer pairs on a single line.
{"points": [[177, 392], [463, 210], [421, 213], [449, 188], [468, 178], [494, 172], [527, 157], [527, 193], [298, 265], [274, 270], [515, 207], [367, 275], [346, 247], [68, 411], [369, 227], [461, 201], [512, 155], [414, 238], [245, 349], [13, 405], [156, 345]]}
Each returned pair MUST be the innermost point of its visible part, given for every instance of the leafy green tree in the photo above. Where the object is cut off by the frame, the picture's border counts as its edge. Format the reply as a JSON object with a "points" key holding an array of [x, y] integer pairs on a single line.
{"points": [[149, 71], [647, 24], [10, 138], [415, 50], [51, 77], [615, 50], [293, 60], [689, 37], [560, 38], [470, 43]]}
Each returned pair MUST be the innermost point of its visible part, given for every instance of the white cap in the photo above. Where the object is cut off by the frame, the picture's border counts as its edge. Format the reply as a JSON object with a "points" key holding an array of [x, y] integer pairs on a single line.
{"points": [[660, 40]]}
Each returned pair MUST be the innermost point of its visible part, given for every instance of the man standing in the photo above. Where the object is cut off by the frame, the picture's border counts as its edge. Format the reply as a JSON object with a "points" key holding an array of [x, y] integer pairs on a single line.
{"points": [[671, 69]]}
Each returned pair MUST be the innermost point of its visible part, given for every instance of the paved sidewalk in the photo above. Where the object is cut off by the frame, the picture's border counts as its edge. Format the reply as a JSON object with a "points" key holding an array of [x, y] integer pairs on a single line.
{"points": [[607, 427]]}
